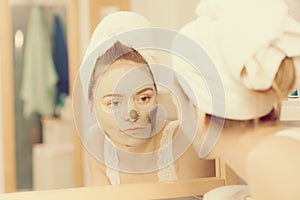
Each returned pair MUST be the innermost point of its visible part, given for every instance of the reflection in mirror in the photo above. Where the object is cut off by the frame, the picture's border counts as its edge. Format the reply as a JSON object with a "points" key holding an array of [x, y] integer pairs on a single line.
{"points": [[132, 139], [51, 127], [44, 150]]}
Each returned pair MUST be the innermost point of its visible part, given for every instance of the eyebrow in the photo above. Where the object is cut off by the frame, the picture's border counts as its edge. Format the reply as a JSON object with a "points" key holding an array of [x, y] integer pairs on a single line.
{"points": [[143, 90], [112, 95], [119, 95]]}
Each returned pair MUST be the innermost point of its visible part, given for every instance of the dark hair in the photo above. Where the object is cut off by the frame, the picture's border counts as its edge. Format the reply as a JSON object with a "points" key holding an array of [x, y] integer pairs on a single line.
{"points": [[117, 52]]}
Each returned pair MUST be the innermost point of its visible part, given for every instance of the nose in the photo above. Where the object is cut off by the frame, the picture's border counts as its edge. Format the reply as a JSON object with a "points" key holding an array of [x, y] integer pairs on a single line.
{"points": [[133, 114]]}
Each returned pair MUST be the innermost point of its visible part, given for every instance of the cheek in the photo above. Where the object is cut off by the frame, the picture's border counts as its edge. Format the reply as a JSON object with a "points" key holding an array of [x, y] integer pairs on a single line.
{"points": [[144, 112], [105, 119]]}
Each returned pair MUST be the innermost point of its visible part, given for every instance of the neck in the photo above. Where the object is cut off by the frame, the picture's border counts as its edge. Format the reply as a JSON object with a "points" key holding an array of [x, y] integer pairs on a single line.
{"points": [[148, 146]]}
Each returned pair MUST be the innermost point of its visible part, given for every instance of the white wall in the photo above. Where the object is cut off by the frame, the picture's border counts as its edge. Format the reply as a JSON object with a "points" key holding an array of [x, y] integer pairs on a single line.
{"points": [[1, 140], [172, 14], [175, 13], [294, 8]]}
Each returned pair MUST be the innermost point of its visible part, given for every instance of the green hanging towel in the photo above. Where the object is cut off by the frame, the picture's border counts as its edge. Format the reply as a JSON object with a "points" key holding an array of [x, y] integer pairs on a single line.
{"points": [[39, 76]]}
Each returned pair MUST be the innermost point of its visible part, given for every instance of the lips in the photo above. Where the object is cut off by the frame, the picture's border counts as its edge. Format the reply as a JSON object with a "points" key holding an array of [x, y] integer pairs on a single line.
{"points": [[133, 130]]}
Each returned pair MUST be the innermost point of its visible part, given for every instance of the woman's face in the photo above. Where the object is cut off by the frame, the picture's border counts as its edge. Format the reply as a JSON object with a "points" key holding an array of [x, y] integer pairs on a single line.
{"points": [[124, 103]]}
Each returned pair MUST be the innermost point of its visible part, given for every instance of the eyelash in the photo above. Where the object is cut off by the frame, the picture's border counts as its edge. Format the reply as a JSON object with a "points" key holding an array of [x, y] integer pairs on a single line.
{"points": [[139, 99], [111, 103], [142, 99]]}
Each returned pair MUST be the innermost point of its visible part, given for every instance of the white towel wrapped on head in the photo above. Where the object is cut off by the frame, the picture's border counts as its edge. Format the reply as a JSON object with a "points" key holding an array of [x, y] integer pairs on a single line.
{"points": [[247, 40], [105, 35]]}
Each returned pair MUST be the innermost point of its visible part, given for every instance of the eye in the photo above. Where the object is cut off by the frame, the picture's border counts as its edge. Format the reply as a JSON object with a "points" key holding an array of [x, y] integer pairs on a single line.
{"points": [[143, 99], [114, 103]]}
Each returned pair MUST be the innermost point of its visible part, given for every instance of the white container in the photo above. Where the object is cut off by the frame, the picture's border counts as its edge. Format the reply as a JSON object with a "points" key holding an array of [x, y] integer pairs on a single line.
{"points": [[290, 110], [53, 166]]}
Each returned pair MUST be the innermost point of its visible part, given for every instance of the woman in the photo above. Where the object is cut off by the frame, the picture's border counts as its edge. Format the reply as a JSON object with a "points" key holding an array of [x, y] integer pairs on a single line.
{"points": [[131, 142], [255, 46]]}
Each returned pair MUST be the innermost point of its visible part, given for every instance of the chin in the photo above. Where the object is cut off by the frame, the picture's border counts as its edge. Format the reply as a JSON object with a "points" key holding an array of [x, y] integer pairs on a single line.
{"points": [[134, 142]]}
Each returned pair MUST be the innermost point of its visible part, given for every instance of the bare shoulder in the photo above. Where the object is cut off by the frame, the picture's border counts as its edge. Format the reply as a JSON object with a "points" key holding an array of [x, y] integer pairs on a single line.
{"points": [[275, 163]]}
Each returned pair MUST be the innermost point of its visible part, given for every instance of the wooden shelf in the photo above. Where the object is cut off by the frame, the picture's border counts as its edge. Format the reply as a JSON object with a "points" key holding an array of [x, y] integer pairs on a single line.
{"points": [[127, 191]]}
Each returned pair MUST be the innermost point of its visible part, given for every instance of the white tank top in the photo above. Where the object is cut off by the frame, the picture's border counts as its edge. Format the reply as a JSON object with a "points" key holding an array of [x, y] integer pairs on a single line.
{"points": [[164, 174]]}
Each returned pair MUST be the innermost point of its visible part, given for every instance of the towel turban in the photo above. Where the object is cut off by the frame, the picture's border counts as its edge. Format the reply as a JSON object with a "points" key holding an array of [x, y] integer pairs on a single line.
{"points": [[247, 40], [105, 35]]}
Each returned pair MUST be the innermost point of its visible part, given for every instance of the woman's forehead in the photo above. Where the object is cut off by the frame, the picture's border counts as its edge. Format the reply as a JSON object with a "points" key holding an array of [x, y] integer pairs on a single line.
{"points": [[122, 68], [122, 63], [123, 77]]}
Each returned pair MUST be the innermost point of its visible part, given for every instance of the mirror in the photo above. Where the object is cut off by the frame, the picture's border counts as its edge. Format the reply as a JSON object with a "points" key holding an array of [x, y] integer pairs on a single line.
{"points": [[98, 9], [69, 12]]}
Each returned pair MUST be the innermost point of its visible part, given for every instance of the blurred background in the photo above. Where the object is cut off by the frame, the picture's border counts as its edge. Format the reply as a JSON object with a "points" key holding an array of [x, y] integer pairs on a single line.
{"points": [[39, 146]]}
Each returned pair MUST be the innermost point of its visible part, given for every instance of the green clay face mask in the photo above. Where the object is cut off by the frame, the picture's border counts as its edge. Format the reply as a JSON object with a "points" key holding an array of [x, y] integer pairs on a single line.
{"points": [[125, 103]]}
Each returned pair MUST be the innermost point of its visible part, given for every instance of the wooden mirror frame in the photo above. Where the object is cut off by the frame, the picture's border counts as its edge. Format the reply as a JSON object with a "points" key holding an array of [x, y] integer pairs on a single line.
{"points": [[7, 107], [179, 189]]}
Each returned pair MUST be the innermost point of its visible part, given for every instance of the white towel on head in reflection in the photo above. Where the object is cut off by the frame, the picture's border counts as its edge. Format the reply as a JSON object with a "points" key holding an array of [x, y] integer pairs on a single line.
{"points": [[247, 40], [39, 76], [105, 35]]}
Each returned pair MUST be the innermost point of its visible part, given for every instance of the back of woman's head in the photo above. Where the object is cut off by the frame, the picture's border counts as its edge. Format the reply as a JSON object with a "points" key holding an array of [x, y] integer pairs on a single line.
{"points": [[253, 49]]}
